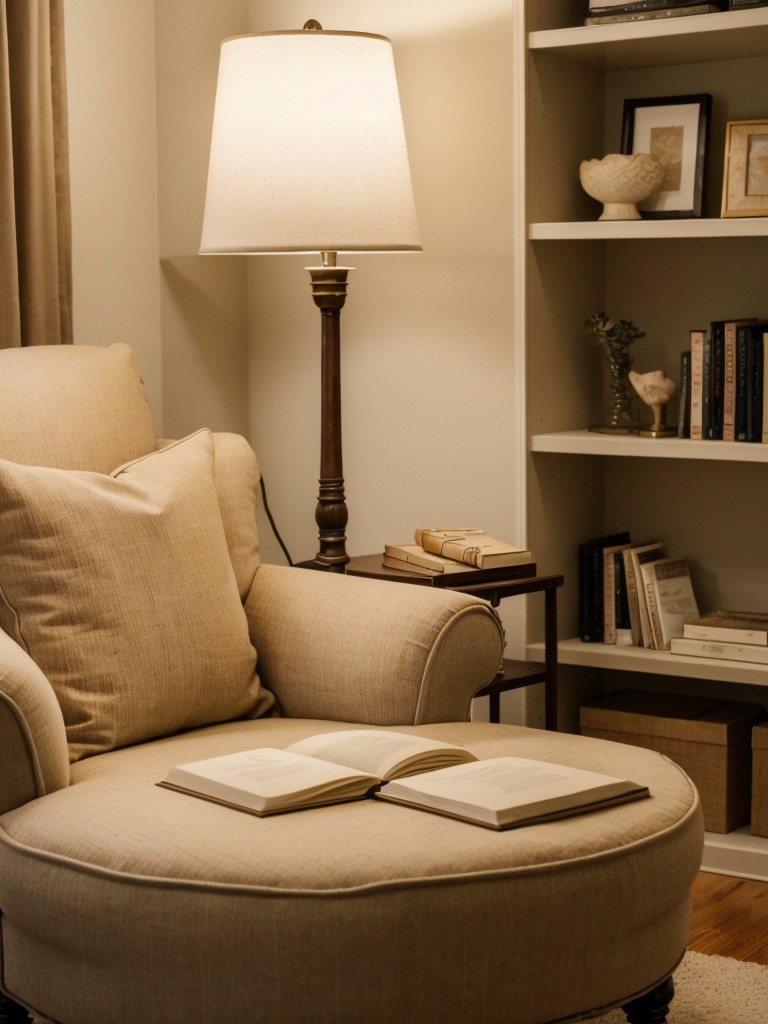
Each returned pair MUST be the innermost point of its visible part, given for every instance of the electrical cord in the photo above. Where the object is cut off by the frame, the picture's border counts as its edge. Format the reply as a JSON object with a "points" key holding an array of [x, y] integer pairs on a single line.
{"points": [[272, 521]]}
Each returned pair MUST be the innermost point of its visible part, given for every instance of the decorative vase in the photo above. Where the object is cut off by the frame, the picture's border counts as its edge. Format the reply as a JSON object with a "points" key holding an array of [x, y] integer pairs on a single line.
{"points": [[614, 339], [619, 181]]}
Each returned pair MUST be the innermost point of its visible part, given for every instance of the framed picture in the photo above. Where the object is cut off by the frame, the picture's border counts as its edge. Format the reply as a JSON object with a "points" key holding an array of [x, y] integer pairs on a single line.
{"points": [[675, 131], [745, 177]]}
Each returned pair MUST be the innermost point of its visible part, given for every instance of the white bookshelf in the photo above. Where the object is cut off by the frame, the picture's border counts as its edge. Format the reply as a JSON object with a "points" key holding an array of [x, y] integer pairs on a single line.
{"points": [[704, 499]]}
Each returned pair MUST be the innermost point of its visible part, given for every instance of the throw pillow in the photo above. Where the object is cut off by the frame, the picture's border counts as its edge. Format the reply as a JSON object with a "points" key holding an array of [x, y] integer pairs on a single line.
{"points": [[121, 589]]}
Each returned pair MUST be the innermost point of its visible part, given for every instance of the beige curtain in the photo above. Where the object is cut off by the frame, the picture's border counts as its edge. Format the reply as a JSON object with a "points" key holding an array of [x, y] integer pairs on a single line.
{"points": [[35, 223]]}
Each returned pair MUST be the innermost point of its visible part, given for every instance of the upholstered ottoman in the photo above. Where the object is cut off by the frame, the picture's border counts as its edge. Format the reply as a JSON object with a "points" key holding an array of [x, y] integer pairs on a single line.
{"points": [[142, 904]]}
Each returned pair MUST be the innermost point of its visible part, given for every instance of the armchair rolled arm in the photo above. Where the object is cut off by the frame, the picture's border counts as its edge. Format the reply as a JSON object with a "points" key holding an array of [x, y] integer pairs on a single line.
{"points": [[34, 759], [353, 649]]}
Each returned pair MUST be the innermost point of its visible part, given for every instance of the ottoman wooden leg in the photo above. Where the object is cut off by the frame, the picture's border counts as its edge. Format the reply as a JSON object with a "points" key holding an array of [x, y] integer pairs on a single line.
{"points": [[11, 1013], [653, 1007]]}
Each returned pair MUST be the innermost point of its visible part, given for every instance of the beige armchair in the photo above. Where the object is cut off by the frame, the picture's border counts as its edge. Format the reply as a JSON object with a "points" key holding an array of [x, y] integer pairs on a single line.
{"points": [[140, 631]]}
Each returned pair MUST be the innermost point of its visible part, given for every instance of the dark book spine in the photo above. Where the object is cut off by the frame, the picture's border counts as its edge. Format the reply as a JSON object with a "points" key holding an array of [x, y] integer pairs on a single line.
{"points": [[684, 396], [755, 384], [716, 381], [741, 389]]}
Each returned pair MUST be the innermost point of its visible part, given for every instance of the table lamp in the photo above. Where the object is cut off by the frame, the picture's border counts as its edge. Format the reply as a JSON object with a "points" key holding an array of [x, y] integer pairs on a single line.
{"points": [[308, 155]]}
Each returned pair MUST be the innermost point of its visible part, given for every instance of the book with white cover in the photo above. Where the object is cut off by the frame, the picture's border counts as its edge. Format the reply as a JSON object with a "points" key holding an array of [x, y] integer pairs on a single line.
{"points": [[719, 649], [671, 600], [640, 555]]}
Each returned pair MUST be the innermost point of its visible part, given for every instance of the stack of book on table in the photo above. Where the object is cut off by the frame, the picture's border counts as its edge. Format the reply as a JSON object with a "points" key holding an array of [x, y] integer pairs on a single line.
{"points": [[733, 636], [603, 12], [631, 593], [334, 767], [459, 554]]}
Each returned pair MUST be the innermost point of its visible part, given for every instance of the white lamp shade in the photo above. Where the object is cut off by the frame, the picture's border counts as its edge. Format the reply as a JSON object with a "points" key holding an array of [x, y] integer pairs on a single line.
{"points": [[308, 149]]}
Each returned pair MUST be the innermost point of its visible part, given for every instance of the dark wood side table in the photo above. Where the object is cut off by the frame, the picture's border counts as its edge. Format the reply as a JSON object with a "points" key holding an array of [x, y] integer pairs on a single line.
{"points": [[514, 674]]}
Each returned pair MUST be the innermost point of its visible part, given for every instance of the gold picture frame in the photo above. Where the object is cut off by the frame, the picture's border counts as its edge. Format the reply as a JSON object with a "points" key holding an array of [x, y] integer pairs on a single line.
{"points": [[745, 177]]}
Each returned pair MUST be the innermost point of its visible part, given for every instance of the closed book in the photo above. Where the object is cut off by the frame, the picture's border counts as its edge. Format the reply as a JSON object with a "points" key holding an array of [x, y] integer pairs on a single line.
{"points": [[591, 585], [655, 15], [671, 600], [730, 328], [697, 384], [652, 551], [471, 546], [732, 627], [684, 396], [615, 608], [720, 649], [458, 577]]}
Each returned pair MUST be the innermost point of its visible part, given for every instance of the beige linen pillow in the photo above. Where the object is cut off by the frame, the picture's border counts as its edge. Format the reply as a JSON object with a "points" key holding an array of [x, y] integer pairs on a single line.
{"points": [[121, 589]]}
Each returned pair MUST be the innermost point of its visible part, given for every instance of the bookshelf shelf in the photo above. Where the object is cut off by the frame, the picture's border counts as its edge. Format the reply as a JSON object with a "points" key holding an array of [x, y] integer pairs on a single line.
{"points": [[639, 230], [639, 659], [587, 442], [711, 37]]}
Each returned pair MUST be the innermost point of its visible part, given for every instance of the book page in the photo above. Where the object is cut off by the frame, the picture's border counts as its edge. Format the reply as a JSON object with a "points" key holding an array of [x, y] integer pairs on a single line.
{"points": [[507, 782], [257, 778], [503, 790], [386, 754]]}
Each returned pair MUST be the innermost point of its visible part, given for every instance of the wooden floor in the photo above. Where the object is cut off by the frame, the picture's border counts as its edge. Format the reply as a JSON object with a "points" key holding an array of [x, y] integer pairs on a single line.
{"points": [[730, 917]]}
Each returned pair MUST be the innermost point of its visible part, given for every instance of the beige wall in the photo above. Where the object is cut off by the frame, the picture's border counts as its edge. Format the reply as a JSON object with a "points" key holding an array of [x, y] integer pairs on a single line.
{"points": [[431, 374], [113, 154], [428, 361]]}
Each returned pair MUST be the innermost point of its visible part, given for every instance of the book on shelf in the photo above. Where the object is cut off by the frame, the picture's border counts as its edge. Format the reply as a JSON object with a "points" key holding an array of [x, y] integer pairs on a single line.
{"points": [[730, 329], [684, 396], [471, 546], [616, 623], [508, 792], [733, 627], [749, 370], [652, 15], [634, 556], [764, 419], [612, 6], [413, 558], [697, 384], [353, 764], [670, 597], [591, 584], [750, 653]]}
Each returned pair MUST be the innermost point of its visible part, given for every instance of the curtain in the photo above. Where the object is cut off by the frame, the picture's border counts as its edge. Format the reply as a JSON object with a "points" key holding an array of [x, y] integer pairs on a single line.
{"points": [[35, 218]]}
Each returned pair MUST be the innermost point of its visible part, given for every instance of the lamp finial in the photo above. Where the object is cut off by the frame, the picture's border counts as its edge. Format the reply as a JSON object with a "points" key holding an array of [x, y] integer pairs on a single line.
{"points": [[313, 26]]}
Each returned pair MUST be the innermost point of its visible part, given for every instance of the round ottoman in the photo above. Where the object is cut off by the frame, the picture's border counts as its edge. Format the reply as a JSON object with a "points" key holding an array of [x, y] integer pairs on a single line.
{"points": [[122, 901]]}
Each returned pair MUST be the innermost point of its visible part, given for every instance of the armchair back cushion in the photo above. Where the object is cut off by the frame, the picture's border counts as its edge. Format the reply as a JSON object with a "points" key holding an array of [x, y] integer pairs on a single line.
{"points": [[73, 407], [121, 589]]}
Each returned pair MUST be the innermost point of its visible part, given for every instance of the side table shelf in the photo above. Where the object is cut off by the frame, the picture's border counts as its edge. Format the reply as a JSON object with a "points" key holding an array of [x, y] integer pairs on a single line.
{"points": [[513, 674]]}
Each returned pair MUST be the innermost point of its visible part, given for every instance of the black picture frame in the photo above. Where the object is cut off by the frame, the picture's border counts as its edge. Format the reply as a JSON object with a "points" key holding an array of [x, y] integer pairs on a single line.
{"points": [[674, 130]]}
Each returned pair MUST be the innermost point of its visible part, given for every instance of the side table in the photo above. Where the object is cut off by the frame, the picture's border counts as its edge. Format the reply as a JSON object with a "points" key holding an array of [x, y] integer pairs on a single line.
{"points": [[514, 674]]}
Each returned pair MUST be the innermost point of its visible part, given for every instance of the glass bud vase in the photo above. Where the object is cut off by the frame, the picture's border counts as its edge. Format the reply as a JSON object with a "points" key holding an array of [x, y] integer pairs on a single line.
{"points": [[620, 408]]}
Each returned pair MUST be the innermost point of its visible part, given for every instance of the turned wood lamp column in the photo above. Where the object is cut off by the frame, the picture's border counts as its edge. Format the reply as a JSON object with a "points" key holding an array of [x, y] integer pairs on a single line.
{"points": [[329, 290], [308, 155]]}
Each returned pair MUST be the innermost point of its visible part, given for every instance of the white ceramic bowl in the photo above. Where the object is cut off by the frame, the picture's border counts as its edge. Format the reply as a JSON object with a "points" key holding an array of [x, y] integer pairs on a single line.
{"points": [[619, 181]]}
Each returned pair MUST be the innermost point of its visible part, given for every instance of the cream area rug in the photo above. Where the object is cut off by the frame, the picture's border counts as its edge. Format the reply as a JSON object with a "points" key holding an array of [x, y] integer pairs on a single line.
{"points": [[713, 990]]}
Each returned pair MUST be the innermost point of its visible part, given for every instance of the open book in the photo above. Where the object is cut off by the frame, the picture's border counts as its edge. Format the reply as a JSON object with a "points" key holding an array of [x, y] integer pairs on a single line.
{"points": [[507, 792], [323, 769], [499, 793]]}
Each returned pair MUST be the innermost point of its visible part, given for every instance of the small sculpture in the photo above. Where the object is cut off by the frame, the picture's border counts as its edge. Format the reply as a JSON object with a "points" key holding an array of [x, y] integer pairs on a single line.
{"points": [[655, 388]]}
